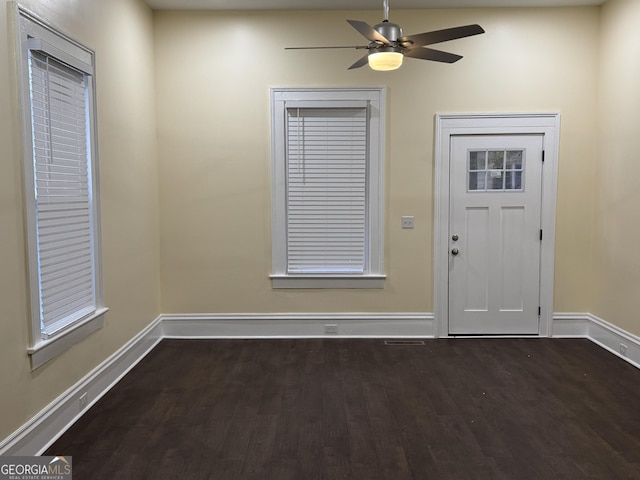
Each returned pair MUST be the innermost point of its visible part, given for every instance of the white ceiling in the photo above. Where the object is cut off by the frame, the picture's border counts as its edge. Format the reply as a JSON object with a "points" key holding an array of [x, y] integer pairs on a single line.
{"points": [[354, 4]]}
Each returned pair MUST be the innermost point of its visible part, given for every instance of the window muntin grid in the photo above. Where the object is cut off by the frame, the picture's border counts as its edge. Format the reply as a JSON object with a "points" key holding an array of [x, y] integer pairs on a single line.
{"points": [[495, 170]]}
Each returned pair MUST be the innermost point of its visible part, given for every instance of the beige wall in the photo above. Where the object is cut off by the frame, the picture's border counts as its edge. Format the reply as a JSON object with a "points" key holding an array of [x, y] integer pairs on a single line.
{"points": [[214, 71], [617, 229], [121, 33]]}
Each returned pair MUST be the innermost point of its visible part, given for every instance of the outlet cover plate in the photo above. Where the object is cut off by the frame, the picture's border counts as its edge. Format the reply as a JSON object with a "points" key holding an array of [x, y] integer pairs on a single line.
{"points": [[407, 222]]}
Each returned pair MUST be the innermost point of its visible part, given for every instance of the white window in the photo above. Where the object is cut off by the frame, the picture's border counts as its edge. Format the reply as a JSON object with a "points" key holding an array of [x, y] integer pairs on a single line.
{"points": [[327, 174], [61, 188]]}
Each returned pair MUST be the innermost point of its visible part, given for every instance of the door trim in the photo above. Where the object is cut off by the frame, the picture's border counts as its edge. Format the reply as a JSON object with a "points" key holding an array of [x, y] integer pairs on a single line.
{"points": [[448, 125]]}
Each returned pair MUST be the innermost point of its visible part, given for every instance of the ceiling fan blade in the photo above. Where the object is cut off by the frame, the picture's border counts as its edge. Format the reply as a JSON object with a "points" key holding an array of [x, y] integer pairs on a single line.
{"points": [[360, 63], [359, 47], [367, 31], [431, 54], [437, 36]]}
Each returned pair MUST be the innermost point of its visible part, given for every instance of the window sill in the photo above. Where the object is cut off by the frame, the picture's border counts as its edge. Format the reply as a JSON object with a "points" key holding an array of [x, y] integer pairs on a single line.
{"points": [[45, 350], [328, 281]]}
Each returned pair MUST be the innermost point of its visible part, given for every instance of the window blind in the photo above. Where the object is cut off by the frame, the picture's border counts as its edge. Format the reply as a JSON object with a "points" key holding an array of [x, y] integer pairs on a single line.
{"points": [[326, 174], [62, 182]]}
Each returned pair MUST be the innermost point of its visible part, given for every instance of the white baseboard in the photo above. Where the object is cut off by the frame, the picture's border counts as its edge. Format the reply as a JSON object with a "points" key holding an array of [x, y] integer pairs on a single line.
{"points": [[601, 332], [570, 325], [34, 437], [40, 432], [299, 325]]}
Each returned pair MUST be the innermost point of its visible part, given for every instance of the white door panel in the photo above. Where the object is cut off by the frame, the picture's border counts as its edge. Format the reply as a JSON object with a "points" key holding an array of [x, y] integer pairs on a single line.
{"points": [[495, 205]]}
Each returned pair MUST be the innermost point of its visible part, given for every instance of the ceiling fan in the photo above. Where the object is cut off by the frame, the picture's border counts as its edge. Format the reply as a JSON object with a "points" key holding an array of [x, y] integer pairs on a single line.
{"points": [[387, 46]]}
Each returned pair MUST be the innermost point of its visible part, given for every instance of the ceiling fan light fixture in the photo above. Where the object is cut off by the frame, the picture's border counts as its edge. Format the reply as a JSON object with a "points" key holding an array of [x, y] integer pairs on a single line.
{"points": [[385, 61]]}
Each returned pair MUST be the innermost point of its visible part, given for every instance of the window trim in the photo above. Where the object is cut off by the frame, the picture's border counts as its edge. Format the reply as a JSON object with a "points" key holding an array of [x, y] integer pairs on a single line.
{"points": [[281, 98], [35, 34]]}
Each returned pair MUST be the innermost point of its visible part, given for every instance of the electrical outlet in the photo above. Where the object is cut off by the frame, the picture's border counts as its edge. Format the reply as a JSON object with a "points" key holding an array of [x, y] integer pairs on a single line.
{"points": [[331, 328], [82, 401], [623, 349], [407, 222]]}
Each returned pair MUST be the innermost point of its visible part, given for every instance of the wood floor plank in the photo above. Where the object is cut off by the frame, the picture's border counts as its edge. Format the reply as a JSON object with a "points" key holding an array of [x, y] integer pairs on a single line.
{"points": [[259, 451], [320, 409], [362, 447], [337, 464], [310, 459], [287, 436], [393, 462], [335, 431], [282, 470]]}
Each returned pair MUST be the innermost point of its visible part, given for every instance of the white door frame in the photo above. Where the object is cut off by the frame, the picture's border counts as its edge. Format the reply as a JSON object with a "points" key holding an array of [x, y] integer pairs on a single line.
{"points": [[448, 125]]}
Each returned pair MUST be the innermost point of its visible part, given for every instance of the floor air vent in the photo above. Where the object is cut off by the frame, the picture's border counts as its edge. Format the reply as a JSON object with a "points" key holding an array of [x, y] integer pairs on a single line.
{"points": [[403, 342]]}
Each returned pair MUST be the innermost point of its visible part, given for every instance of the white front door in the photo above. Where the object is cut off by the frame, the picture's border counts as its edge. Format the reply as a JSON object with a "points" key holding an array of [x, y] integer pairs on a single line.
{"points": [[495, 234]]}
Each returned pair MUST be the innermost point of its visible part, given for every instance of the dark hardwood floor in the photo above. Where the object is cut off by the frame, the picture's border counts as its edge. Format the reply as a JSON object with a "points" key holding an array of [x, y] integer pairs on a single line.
{"points": [[356, 409]]}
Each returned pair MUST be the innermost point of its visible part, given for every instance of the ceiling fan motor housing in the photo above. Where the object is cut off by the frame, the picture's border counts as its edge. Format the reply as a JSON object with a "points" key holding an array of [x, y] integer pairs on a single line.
{"points": [[391, 31]]}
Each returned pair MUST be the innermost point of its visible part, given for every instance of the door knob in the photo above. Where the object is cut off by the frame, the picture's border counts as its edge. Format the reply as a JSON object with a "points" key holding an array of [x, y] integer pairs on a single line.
{"points": [[455, 251]]}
